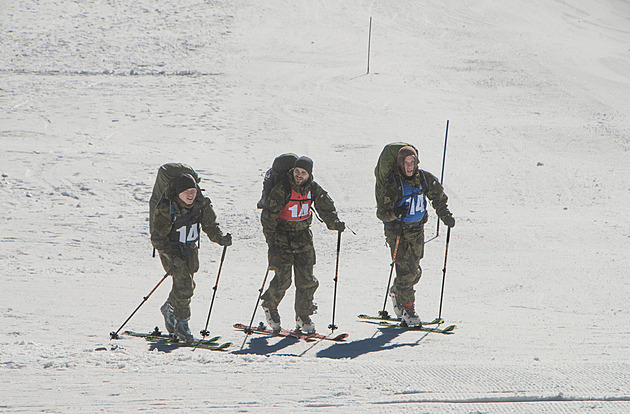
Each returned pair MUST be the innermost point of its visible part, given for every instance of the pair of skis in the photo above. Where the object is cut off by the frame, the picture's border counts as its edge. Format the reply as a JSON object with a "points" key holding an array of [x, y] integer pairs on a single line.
{"points": [[264, 330], [212, 344], [385, 322], [397, 323]]}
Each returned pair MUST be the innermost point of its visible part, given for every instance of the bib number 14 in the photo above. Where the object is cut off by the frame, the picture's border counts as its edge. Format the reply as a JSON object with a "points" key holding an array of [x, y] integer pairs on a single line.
{"points": [[303, 210], [188, 235]]}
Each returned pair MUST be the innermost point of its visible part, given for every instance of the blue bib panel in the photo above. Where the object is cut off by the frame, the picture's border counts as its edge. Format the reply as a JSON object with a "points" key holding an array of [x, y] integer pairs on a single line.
{"points": [[416, 204]]}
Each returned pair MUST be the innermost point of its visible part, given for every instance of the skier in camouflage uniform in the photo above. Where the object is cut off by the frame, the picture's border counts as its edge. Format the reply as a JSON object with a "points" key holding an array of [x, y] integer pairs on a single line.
{"points": [[177, 221], [401, 205], [286, 220]]}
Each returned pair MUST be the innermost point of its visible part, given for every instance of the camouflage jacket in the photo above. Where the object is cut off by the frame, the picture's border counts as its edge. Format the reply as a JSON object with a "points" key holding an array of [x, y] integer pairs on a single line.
{"points": [[390, 193], [278, 199], [163, 223]]}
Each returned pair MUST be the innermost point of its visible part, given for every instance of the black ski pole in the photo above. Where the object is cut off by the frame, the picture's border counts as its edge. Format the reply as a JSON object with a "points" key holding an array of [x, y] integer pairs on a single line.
{"points": [[205, 332], [332, 325], [437, 231], [383, 313], [114, 335], [448, 238], [260, 292]]}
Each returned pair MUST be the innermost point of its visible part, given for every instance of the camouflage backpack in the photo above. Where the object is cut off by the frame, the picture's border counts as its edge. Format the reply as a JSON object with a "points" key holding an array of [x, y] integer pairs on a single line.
{"points": [[386, 164], [277, 173], [162, 182]]}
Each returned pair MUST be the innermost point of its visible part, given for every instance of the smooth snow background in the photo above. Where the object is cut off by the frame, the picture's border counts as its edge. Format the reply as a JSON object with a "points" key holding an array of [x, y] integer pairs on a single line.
{"points": [[96, 95]]}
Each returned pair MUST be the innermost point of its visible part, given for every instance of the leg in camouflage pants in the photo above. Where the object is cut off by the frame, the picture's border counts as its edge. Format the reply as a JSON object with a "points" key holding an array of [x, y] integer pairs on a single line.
{"points": [[183, 285], [410, 251], [305, 282]]}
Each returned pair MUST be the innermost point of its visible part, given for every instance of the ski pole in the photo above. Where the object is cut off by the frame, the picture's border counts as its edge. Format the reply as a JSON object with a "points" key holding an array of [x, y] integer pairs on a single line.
{"points": [[437, 231], [205, 332], [448, 238], [114, 335], [383, 313], [260, 292], [332, 325]]}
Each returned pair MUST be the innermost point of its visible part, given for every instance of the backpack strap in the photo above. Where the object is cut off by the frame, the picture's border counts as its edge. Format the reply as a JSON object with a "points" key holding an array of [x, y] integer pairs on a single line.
{"points": [[425, 187], [287, 189]]}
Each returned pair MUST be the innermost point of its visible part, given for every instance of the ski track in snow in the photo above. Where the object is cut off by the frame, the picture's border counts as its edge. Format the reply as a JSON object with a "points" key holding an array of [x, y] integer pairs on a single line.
{"points": [[96, 95]]}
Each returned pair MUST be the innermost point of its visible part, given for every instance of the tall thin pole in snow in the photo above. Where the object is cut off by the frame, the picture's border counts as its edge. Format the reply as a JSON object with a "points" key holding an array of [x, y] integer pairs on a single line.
{"points": [[332, 325], [437, 231], [260, 292], [205, 332], [383, 313], [114, 335], [448, 239], [369, 45]]}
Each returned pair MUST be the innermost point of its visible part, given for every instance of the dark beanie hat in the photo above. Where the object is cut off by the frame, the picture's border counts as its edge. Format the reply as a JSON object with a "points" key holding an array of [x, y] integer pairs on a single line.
{"points": [[184, 182], [305, 163]]}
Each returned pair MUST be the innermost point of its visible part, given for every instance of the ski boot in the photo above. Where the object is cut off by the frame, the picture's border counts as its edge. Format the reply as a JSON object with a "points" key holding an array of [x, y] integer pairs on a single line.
{"points": [[305, 324], [273, 317], [182, 331], [397, 310], [409, 316], [169, 317]]}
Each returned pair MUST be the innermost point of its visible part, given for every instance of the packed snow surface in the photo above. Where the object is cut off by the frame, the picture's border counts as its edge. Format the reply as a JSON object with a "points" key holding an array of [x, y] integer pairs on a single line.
{"points": [[96, 95]]}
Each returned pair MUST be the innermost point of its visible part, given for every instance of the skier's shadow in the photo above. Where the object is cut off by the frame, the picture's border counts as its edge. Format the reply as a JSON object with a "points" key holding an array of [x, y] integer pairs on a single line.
{"points": [[167, 348], [260, 345], [375, 343]]}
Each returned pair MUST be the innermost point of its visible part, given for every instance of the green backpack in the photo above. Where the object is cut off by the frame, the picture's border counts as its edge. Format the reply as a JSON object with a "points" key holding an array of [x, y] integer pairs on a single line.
{"points": [[162, 182], [277, 173], [386, 164]]}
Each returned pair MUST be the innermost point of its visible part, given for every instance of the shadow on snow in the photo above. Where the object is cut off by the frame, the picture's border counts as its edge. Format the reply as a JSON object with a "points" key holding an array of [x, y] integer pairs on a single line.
{"points": [[360, 347], [380, 341], [259, 345]]}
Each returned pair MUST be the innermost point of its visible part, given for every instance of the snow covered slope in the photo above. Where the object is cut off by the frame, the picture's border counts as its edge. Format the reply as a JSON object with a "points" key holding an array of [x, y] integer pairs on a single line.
{"points": [[96, 95]]}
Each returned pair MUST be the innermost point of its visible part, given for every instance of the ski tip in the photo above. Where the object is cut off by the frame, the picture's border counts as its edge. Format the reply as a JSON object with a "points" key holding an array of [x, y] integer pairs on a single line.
{"points": [[213, 339]]}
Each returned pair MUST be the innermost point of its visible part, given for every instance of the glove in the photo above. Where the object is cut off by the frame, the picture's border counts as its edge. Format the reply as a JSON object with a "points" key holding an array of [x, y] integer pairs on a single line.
{"points": [[449, 221], [226, 240], [400, 211], [340, 226]]}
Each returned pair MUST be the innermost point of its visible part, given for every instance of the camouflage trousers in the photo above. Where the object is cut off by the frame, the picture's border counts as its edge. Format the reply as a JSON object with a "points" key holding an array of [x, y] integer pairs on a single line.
{"points": [[410, 251], [305, 282], [183, 284]]}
